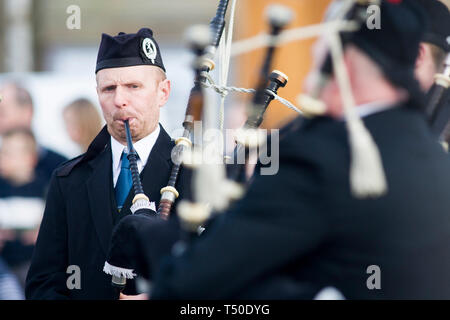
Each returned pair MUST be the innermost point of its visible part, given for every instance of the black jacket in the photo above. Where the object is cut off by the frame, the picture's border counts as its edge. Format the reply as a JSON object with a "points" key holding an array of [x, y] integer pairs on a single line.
{"points": [[79, 217], [302, 229]]}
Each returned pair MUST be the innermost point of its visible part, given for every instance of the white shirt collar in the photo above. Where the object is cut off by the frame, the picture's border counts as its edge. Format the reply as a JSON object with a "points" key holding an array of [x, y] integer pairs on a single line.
{"points": [[143, 148], [367, 109]]}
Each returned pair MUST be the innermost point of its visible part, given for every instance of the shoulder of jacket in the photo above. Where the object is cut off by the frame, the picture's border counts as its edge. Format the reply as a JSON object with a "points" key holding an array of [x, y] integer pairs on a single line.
{"points": [[66, 167]]}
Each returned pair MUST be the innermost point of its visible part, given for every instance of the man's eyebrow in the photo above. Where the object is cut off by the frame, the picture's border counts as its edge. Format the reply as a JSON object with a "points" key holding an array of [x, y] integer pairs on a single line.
{"points": [[107, 85], [128, 82]]}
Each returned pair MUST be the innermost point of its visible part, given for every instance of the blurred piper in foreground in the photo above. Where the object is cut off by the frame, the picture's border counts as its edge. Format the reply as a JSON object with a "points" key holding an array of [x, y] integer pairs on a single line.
{"points": [[360, 200]]}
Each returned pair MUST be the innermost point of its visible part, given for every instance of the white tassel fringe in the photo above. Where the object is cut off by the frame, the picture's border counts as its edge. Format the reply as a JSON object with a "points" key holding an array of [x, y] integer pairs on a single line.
{"points": [[118, 272], [367, 177]]}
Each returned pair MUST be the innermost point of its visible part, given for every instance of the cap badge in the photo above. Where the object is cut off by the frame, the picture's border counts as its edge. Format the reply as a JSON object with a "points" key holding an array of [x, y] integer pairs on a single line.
{"points": [[149, 49]]}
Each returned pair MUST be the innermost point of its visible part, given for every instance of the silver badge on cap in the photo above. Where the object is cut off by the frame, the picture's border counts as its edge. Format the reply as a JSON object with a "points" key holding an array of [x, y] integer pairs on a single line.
{"points": [[149, 48]]}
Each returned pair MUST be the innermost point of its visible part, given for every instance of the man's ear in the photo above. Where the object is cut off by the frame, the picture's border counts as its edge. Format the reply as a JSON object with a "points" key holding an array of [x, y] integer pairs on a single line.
{"points": [[164, 91], [421, 56]]}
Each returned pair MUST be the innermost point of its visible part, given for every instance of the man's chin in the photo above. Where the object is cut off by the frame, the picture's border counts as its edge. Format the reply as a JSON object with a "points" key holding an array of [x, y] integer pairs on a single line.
{"points": [[118, 134], [121, 136]]}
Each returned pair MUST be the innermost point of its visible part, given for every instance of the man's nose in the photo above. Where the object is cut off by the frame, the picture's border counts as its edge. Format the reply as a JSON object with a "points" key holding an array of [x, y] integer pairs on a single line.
{"points": [[120, 98]]}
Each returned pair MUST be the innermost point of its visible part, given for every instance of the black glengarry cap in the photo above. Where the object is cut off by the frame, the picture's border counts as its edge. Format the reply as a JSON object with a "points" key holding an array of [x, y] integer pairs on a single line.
{"points": [[395, 46], [129, 49]]}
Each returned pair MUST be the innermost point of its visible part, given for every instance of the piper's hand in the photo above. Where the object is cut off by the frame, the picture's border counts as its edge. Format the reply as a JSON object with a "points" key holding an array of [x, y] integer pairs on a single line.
{"points": [[142, 296]]}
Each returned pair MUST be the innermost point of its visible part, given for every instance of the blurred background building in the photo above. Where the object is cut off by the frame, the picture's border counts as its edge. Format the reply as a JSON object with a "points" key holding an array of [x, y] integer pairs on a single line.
{"points": [[56, 62]]}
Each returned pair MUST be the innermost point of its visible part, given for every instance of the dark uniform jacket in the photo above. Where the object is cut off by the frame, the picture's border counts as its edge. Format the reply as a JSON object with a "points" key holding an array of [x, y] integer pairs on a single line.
{"points": [[79, 218], [302, 229]]}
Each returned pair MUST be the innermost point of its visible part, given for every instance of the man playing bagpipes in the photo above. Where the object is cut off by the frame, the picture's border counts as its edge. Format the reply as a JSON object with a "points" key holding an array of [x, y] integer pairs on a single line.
{"points": [[91, 194]]}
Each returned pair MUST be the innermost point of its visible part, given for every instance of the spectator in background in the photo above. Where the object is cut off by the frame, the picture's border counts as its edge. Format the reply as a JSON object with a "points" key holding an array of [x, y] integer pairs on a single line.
{"points": [[18, 160], [434, 46], [22, 194], [16, 111], [433, 51], [83, 122]]}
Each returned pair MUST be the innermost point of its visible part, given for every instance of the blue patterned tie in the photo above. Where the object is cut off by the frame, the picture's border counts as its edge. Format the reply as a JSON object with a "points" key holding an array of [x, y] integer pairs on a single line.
{"points": [[124, 182]]}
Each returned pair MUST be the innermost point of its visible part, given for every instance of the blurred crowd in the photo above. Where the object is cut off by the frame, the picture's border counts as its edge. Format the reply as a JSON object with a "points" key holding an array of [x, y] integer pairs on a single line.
{"points": [[26, 167]]}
